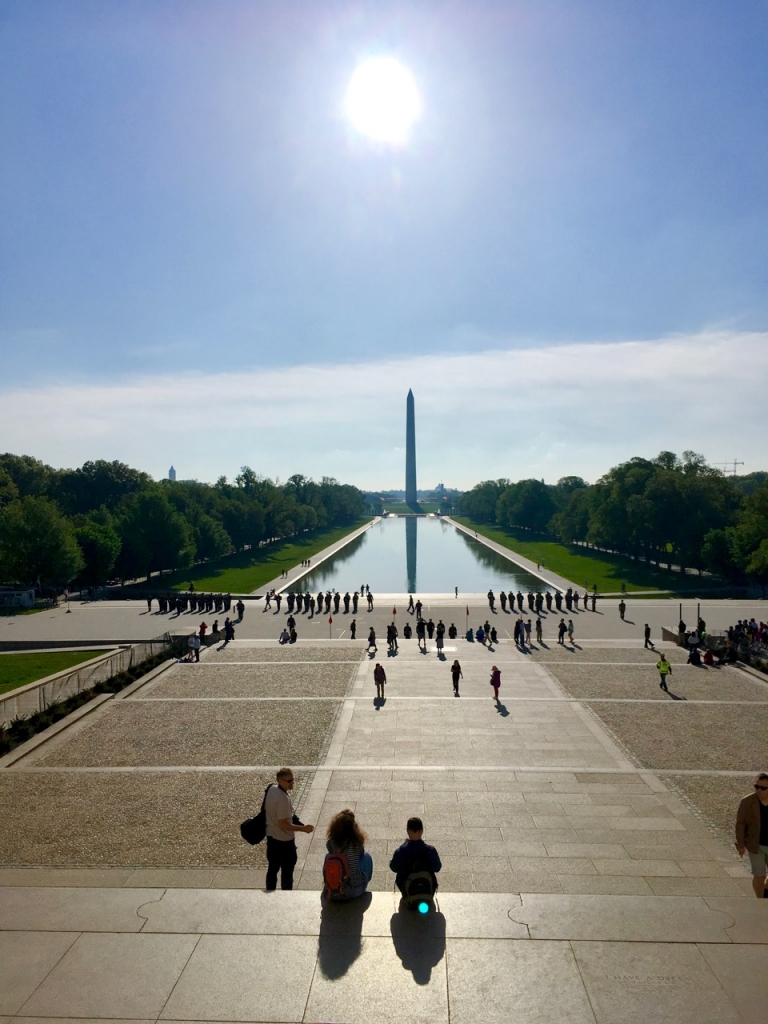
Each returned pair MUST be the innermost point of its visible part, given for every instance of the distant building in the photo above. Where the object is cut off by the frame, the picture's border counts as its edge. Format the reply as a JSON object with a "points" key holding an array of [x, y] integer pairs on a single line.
{"points": [[171, 473], [17, 597]]}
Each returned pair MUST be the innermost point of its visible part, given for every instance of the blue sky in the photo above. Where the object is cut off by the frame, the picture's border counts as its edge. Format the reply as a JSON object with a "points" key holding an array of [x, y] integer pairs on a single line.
{"points": [[183, 201]]}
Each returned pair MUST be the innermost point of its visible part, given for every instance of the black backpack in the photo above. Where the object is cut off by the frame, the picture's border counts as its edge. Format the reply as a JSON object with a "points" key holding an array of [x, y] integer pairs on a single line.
{"points": [[253, 830]]}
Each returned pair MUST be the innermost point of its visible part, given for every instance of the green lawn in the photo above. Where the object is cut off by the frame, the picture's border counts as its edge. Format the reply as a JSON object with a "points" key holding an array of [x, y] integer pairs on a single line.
{"points": [[20, 669], [10, 610], [245, 571], [582, 565]]}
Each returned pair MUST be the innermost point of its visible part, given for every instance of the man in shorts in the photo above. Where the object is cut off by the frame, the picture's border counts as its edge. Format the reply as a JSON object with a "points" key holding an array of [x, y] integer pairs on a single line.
{"points": [[752, 833]]}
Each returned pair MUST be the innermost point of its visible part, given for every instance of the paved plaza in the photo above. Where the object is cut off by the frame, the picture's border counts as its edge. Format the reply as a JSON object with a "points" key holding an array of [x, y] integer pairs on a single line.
{"points": [[577, 883], [584, 823]]}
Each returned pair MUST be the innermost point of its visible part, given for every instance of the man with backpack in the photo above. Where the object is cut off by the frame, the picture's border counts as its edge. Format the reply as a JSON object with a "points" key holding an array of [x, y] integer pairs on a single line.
{"points": [[415, 864], [282, 825]]}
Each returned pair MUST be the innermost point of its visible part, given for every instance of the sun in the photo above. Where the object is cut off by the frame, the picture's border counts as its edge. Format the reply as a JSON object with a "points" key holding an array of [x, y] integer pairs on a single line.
{"points": [[383, 101]]}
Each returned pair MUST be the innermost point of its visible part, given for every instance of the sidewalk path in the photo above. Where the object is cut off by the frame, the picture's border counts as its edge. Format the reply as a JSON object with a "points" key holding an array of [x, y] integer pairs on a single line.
{"points": [[286, 583], [544, 574]]}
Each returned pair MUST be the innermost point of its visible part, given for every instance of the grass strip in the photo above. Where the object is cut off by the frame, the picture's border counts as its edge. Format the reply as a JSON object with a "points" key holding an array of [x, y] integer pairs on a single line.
{"points": [[24, 727], [19, 669], [246, 571], [584, 566]]}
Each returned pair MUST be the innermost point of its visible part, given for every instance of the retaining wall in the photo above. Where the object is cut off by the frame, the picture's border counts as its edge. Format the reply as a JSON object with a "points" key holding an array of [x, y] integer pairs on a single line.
{"points": [[38, 695]]}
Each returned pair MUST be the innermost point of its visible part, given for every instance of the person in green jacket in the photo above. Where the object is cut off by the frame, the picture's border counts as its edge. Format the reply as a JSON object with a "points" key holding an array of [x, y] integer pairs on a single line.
{"points": [[664, 669]]}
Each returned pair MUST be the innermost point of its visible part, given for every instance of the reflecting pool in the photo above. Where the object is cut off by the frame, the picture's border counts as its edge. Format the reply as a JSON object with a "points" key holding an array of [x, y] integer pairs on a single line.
{"points": [[418, 555]]}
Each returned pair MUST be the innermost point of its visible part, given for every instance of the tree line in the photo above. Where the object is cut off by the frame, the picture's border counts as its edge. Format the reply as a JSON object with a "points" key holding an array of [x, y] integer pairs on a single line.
{"points": [[106, 520], [668, 511]]}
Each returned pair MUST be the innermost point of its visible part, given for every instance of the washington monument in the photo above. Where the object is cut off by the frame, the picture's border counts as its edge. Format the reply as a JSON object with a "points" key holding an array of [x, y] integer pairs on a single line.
{"points": [[410, 452]]}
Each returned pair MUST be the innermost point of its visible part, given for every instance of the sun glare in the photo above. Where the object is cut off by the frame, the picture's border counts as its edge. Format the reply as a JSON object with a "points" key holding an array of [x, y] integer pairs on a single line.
{"points": [[383, 101]]}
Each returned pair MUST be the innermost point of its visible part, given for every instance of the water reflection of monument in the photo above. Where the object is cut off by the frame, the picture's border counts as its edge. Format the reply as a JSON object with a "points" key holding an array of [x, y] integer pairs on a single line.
{"points": [[411, 493], [411, 524]]}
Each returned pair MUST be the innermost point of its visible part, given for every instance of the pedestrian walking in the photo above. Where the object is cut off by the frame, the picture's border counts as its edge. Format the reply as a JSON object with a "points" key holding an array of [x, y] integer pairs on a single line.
{"points": [[647, 635], [752, 833], [282, 824], [352, 629], [562, 629], [528, 632], [664, 669], [380, 678], [410, 604], [194, 647], [394, 635], [570, 631], [622, 609], [538, 632], [693, 645], [372, 641], [149, 604], [241, 609], [495, 681], [456, 675]]}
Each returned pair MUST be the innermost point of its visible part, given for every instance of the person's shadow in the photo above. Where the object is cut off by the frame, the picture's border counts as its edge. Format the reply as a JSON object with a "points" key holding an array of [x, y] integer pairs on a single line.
{"points": [[419, 941], [341, 929], [501, 709]]}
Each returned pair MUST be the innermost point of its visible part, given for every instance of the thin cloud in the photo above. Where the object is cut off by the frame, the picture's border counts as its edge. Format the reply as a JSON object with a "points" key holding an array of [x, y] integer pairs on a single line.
{"points": [[543, 412]]}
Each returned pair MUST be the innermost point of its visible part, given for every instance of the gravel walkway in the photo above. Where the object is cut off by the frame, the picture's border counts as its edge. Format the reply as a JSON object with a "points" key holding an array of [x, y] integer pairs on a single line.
{"points": [[584, 681], [298, 652], [147, 734], [715, 797], [554, 652], [679, 735], [212, 680], [138, 819]]}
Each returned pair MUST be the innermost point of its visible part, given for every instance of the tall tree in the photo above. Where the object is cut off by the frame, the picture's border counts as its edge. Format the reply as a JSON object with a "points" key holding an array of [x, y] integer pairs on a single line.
{"points": [[155, 536], [38, 542]]}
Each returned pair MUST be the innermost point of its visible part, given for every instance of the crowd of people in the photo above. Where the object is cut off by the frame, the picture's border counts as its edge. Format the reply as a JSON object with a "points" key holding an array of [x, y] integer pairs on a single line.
{"points": [[189, 600], [706, 649], [535, 602], [324, 601]]}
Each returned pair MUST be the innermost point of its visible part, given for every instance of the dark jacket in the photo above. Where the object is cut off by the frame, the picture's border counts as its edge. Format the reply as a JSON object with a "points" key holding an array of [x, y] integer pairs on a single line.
{"points": [[748, 823], [414, 855]]}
